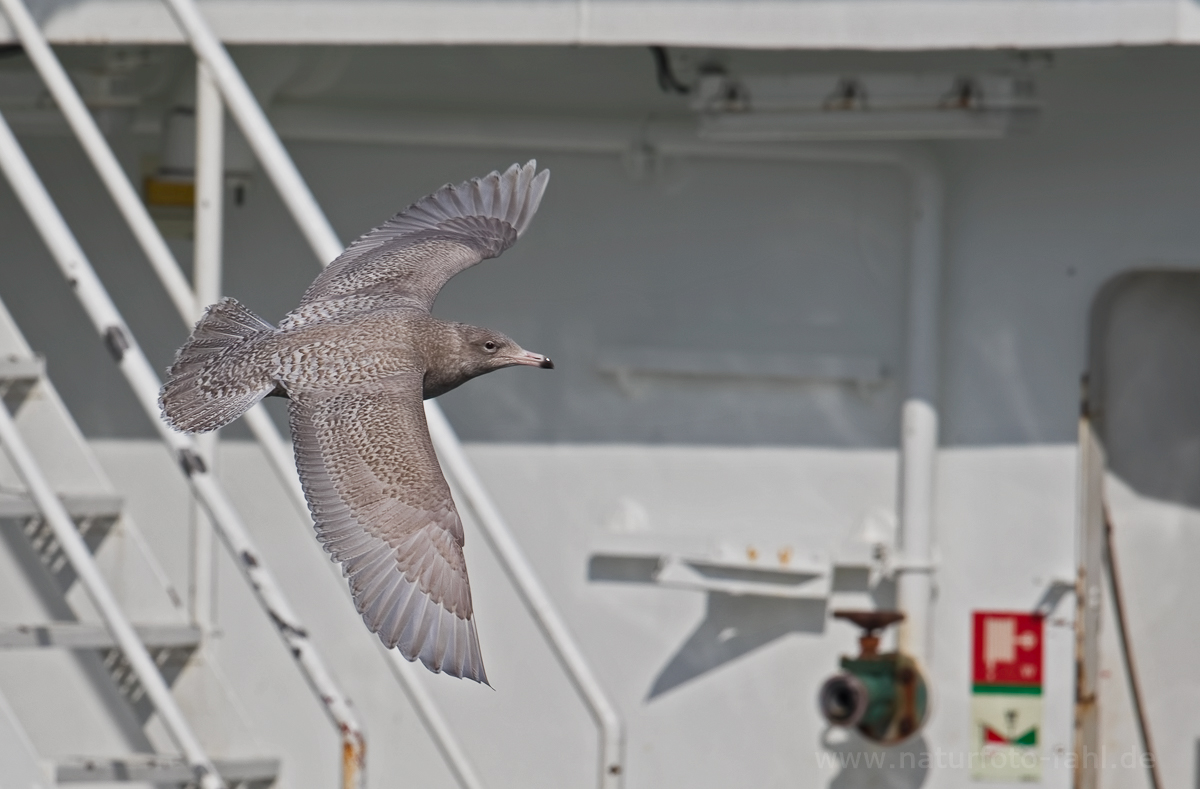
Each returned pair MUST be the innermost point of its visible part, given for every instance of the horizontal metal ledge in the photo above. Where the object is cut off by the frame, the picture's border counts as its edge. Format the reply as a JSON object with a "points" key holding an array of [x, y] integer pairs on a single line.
{"points": [[21, 368], [97, 505], [74, 635], [155, 768], [782, 573]]}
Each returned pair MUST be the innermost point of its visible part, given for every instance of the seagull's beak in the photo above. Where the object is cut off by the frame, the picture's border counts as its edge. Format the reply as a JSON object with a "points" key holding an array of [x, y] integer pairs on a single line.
{"points": [[530, 359]]}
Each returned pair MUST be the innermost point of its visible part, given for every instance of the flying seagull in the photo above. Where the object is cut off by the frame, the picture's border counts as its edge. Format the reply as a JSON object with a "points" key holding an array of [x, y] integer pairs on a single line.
{"points": [[355, 360]]}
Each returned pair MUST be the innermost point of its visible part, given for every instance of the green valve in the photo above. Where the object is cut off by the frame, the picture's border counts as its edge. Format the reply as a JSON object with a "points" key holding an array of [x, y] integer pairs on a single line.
{"points": [[884, 696]]}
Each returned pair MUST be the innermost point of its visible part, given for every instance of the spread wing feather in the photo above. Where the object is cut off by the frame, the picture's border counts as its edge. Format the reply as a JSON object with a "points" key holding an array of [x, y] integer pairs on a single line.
{"points": [[383, 509], [410, 257]]}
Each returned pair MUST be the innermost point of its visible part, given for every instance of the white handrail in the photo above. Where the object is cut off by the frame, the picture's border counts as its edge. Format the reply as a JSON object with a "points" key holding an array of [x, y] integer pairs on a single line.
{"points": [[142, 379], [76, 550], [326, 245]]}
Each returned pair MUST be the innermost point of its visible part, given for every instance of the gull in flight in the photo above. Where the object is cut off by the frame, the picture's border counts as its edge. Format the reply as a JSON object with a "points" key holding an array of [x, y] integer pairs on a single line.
{"points": [[355, 360]]}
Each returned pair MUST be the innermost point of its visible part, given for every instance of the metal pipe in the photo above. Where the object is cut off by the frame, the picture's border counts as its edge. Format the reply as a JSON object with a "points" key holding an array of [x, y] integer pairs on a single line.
{"points": [[919, 417], [299, 200], [89, 574], [145, 384], [209, 176]]}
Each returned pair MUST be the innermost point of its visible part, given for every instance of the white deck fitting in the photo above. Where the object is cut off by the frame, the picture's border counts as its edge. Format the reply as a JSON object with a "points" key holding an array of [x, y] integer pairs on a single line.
{"points": [[133, 363]]}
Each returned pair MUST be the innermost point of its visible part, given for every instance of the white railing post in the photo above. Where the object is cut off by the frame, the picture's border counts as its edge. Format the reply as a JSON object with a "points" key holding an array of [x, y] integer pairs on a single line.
{"points": [[142, 379], [325, 244]]}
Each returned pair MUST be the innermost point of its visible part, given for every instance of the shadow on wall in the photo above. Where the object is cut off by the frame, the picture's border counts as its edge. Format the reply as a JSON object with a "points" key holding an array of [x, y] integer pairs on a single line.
{"points": [[865, 765], [733, 626]]}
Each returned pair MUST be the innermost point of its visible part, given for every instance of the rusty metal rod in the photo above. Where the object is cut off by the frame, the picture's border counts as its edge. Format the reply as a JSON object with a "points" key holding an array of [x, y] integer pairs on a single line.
{"points": [[1131, 674]]}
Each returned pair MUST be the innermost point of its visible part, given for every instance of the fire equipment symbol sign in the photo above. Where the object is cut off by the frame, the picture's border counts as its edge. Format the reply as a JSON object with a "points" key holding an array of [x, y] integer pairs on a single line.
{"points": [[1006, 698]]}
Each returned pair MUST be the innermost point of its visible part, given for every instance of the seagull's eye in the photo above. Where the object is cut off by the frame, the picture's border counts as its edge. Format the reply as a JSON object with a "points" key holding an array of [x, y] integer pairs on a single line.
{"points": [[489, 346]]}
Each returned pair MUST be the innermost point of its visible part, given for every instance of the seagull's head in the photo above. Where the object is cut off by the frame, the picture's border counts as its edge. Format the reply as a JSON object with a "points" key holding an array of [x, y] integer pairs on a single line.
{"points": [[488, 350], [459, 352]]}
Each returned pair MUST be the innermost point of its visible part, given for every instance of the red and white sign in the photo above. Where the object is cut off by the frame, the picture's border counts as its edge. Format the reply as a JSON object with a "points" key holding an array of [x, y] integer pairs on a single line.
{"points": [[1008, 648], [1006, 697]]}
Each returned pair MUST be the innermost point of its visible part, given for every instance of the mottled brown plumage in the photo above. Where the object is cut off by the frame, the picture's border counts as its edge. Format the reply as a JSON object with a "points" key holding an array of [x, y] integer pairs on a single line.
{"points": [[356, 359]]}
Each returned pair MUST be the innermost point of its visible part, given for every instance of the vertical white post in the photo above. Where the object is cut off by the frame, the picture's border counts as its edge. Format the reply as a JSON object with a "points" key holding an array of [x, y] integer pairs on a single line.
{"points": [[206, 276], [919, 417]]}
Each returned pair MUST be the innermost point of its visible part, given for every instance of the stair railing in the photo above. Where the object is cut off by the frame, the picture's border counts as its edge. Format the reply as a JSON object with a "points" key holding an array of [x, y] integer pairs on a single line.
{"points": [[24, 181], [142, 379]]}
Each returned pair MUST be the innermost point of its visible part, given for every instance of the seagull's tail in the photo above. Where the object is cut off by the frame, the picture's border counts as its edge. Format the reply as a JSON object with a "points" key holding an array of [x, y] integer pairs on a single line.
{"points": [[218, 374]]}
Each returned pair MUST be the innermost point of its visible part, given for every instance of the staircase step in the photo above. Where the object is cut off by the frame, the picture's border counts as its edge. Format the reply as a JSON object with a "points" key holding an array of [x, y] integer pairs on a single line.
{"points": [[21, 368], [75, 635], [159, 769], [18, 376], [81, 507], [94, 514]]}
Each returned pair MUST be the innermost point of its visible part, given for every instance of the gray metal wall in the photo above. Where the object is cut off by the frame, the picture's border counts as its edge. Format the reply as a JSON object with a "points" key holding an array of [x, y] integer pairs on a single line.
{"points": [[725, 256]]}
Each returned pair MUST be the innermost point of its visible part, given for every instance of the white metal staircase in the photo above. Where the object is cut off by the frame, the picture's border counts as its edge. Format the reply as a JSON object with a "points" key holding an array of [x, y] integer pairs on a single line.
{"points": [[64, 625]]}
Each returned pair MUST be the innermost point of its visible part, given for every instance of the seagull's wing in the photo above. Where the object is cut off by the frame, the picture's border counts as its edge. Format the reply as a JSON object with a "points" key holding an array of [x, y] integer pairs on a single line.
{"points": [[383, 509], [410, 257]]}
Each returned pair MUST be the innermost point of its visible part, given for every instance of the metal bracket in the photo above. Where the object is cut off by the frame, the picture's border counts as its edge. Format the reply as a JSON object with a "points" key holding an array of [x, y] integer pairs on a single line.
{"points": [[783, 572]]}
